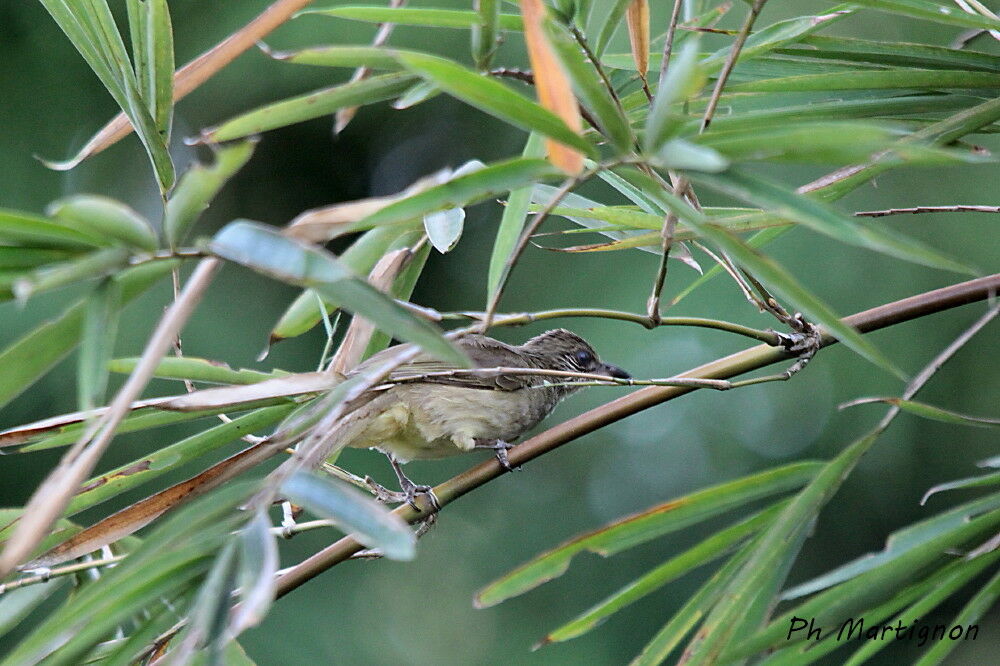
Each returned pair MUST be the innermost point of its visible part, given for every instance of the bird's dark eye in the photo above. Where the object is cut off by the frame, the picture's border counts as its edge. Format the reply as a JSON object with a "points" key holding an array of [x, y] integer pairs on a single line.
{"points": [[583, 358]]}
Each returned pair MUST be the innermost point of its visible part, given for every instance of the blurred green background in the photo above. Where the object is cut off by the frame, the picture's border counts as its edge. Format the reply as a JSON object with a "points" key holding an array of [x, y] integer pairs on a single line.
{"points": [[420, 612]]}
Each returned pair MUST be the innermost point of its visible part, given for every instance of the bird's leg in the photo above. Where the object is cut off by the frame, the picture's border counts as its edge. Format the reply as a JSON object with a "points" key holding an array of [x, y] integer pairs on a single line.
{"points": [[499, 448], [408, 489]]}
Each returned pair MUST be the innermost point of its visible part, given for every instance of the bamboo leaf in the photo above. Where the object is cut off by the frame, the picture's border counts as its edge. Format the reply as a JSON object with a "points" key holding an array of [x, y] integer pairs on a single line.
{"points": [[153, 55], [868, 79], [972, 482], [512, 220], [612, 20], [99, 263], [354, 512], [825, 220], [931, 11], [422, 16], [105, 218], [305, 107], [706, 551], [267, 251], [649, 524], [444, 228], [373, 57], [684, 79], [588, 85], [258, 564], [198, 186], [495, 99], [637, 20], [193, 369], [100, 329], [34, 231], [31, 356], [684, 155], [976, 608], [462, 191], [929, 412]]}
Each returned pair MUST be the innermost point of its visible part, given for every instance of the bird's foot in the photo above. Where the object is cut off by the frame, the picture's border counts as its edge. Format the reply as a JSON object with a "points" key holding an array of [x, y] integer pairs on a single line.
{"points": [[499, 448], [407, 495]]}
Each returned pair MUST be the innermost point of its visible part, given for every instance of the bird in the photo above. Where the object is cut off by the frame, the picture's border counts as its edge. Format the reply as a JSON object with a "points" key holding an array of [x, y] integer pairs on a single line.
{"points": [[451, 414]]}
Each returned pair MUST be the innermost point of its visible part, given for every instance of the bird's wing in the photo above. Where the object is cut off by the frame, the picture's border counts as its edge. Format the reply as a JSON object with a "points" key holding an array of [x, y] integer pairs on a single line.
{"points": [[485, 353]]}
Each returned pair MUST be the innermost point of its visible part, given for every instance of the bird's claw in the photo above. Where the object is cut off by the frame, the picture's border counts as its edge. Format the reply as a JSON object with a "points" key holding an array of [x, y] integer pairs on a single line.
{"points": [[499, 448], [407, 495]]}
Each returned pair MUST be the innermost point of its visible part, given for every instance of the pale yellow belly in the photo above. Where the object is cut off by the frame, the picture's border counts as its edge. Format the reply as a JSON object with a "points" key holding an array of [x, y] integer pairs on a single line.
{"points": [[415, 422]]}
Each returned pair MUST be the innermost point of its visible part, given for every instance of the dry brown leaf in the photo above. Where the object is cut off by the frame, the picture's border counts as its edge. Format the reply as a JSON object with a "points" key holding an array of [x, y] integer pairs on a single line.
{"points": [[321, 225], [637, 19], [554, 90]]}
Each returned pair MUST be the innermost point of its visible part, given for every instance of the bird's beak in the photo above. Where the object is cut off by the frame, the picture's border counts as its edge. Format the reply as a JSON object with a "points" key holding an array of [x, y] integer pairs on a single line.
{"points": [[615, 371]]}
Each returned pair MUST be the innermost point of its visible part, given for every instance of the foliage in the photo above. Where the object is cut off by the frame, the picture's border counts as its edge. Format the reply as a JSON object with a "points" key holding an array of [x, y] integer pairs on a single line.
{"points": [[649, 124]]}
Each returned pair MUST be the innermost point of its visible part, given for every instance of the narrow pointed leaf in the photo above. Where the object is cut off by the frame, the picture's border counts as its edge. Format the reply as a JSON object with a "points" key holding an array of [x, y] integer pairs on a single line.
{"points": [[494, 98], [258, 564], [826, 220], [193, 369], [444, 228], [512, 220], [485, 32], [313, 105], [960, 484], [422, 16], [588, 85], [930, 412], [198, 186], [354, 512], [100, 330], [639, 528], [684, 79], [265, 250], [929, 10], [36, 231], [612, 19], [637, 20], [99, 263], [105, 218], [31, 356]]}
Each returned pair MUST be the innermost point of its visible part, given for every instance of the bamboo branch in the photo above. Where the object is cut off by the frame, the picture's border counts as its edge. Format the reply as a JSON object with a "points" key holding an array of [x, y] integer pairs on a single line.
{"points": [[754, 358]]}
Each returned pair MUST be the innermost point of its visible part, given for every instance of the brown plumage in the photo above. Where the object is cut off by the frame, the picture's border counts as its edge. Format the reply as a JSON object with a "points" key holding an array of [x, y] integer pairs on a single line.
{"points": [[445, 416]]}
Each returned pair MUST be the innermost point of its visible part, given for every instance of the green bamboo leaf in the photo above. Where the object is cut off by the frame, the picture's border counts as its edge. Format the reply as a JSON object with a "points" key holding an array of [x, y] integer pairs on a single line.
{"points": [[685, 78], [99, 263], [706, 551], [961, 484], [373, 57], [34, 231], [198, 186], [93, 32], [898, 543], [975, 609], [354, 512], [830, 607], [133, 474], [921, 56], [463, 190], [494, 98], [313, 105], [193, 369], [305, 311], [692, 612], [512, 220], [100, 330], [17, 604], [485, 32], [684, 155], [31, 356], [153, 56], [612, 19], [14, 258], [258, 564], [929, 412], [427, 17], [267, 251], [931, 11], [105, 218], [589, 87], [825, 220], [176, 553], [768, 271], [642, 527], [868, 79], [418, 93]]}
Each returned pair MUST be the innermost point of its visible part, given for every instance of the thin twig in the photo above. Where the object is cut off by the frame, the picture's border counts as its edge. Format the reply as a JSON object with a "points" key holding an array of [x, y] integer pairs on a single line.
{"points": [[727, 68], [46, 575], [745, 361], [928, 209], [668, 44]]}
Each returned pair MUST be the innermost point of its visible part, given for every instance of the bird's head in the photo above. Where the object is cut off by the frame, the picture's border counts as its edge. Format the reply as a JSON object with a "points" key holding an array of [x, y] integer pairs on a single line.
{"points": [[560, 349]]}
